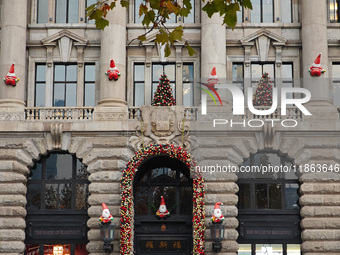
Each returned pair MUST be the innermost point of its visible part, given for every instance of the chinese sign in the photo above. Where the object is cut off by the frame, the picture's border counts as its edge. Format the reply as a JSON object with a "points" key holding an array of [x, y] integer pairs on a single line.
{"points": [[163, 245]]}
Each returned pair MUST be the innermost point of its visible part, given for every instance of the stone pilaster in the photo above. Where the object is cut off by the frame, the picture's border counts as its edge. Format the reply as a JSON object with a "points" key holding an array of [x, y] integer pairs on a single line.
{"points": [[105, 162], [13, 49], [113, 46], [12, 201], [320, 202]]}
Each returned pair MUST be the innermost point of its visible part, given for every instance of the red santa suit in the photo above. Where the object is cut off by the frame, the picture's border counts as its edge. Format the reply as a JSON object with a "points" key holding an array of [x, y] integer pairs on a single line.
{"points": [[113, 72], [10, 78], [212, 81], [316, 69], [217, 216], [162, 211], [106, 216]]}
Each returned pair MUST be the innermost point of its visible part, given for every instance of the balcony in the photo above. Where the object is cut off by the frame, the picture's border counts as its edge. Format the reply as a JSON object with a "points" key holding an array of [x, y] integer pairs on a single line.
{"points": [[135, 113], [59, 113]]}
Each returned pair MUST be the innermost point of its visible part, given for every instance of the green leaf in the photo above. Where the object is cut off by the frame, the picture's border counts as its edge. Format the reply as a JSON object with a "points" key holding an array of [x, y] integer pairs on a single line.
{"points": [[162, 37], [209, 8], [96, 15], [230, 16], [142, 38], [191, 51], [176, 34], [101, 23], [113, 5], [167, 50], [90, 9], [247, 4], [155, 4], [124, 3], [149, 18]]}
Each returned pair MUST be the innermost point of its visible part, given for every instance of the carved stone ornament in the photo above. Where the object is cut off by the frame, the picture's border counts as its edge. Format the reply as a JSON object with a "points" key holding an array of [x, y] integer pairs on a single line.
{"points": [[57, 134], [162, 122]]}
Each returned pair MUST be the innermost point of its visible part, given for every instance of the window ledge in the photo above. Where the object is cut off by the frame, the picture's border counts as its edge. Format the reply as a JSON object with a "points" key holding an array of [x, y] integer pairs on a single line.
{"points": [[62, 25], [172, 25], [268, 25]]}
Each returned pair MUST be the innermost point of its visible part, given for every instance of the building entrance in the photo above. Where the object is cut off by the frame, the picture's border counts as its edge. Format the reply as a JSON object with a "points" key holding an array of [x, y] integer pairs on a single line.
{"points": [[158, 231]]}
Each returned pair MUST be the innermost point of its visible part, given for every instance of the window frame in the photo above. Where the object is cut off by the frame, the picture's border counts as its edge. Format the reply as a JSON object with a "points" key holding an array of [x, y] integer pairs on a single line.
{"points": [[67, 12], [43, 181], [89, 82], [64, 82], [252, 181], [335, 13], [261, 4]]}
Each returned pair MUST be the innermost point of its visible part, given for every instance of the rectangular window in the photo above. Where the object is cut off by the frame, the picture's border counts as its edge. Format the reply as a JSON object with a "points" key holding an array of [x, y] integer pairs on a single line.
{"points": [[137, 19], [333, 11], [40, 85], [240, 15], [139, 85], [191, 16], [286, 11], [157, 71], [238, 75], [89, 83], [287, 77], [42, 11], [67, 11], [336, 83], [188, 84], [263, 11], [65, 85]]}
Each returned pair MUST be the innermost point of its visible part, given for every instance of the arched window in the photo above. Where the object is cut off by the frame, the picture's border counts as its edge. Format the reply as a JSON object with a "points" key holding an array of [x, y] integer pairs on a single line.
{"points": [[170, 178], [57, 193], [269, 215]]}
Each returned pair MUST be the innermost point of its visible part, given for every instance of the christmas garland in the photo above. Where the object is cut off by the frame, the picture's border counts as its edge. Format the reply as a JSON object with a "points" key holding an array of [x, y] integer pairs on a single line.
{"points": [[126, 208]]}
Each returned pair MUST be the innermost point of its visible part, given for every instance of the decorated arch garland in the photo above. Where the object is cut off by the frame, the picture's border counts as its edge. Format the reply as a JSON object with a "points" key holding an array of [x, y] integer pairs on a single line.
{"points": [[126, 208]]}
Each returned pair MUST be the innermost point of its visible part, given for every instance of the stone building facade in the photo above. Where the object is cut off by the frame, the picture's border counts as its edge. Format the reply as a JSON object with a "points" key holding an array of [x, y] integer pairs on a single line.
{"points": [[64, 104]]}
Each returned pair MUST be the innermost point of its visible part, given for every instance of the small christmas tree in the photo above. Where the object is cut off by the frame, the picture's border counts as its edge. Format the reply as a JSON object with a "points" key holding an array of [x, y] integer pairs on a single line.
{"points": [[163, 95], [263, 95]]}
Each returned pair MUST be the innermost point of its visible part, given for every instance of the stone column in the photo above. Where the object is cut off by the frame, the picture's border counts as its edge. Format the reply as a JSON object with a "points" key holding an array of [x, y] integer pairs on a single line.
{"points": [[113, 46], [213, 46], [314, 42], [213, 54], [13, 49]]}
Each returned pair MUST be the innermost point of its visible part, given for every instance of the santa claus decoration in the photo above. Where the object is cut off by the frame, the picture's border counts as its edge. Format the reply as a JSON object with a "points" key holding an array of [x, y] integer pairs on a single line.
{"points": [[106, 216], [10, 78], [113, 72], [316, 69], [217, 216], [212, 81], [162, 212]]}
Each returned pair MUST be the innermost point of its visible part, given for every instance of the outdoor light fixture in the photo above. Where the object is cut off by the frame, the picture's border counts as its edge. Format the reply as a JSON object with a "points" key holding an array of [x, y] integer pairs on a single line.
{"points": [[107, 231], [217, 235]]}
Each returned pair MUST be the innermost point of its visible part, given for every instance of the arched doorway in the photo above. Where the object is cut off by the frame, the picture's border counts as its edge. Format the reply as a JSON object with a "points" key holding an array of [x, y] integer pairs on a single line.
{"points": [[170, 178], [179, 159], [269, 212]]}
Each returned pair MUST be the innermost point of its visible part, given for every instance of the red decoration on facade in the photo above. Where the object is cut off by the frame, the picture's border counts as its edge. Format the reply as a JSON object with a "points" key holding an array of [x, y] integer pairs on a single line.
{"points": [[10, 78], [316, 69], [217, 216], [162, 212], [212, 81], [106, 216], [113, 72], [126, 216]]}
